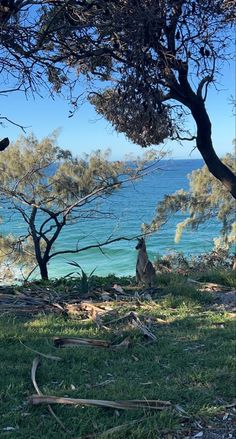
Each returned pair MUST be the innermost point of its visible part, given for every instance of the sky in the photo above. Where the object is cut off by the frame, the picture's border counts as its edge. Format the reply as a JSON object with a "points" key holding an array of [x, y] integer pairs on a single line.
{"points": [[86, 131]]}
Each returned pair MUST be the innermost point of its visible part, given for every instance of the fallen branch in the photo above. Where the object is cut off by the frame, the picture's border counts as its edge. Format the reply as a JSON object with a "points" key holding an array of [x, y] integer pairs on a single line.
{"points": [[60, 342], [70, 342], [35, 365], [36, 362], [50, 357], [120, 405], [210, 285], [92, 311]]}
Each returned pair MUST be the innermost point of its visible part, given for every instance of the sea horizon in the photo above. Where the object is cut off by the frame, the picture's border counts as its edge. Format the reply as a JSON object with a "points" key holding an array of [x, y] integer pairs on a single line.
{"points": [[130, 207]]}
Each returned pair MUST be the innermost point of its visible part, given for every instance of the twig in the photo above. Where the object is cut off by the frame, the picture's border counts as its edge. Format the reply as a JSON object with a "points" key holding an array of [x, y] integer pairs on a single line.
{"points": [[138, 324], [13, 123]]}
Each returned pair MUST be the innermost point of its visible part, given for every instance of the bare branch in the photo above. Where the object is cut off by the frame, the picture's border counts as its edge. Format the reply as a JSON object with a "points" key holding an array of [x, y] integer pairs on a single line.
{"points": [[179, 137], [23, 128], [205, 81], [98, 245]]}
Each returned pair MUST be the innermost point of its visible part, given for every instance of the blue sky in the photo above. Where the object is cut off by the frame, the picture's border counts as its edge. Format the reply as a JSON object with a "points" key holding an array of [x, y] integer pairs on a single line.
{"points": [[87, 131]]}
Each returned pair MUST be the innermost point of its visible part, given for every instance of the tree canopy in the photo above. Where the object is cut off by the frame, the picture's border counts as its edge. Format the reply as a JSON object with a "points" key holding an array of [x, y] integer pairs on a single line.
{"points": [[148, 63], [49, 189], [205, 200]]}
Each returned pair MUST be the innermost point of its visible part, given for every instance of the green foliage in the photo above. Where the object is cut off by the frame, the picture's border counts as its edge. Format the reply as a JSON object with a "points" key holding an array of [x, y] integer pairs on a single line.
{"points": [[16, 250], [85, 278], [69, 282], [56, 39], [112, 279], [50, 189], [14, 253], [206, 199], [141, 121], [177, 262], [82, 177], [39, 173], [145, 63]]}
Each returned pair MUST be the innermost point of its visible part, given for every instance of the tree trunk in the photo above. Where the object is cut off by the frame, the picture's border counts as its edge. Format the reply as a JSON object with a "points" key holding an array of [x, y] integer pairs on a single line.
{"points": [[205, 147], [43, 269]]}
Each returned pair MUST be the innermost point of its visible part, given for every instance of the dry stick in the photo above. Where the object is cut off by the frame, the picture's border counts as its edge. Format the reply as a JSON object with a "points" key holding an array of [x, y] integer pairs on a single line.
{"points": [[35, 364], [68, 341], [208, 284], [93, 312], [135, 322], [122, 405], [50, 357], [138, 324], [125, 343], [61, 342], [119, 319]]}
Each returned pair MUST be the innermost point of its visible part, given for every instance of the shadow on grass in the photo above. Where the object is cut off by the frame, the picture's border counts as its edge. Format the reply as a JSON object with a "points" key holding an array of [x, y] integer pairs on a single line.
{"points": [[191, 364]]}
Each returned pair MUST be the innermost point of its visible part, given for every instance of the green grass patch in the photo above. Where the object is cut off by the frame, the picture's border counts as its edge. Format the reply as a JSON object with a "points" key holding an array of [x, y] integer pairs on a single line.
{"points": [[222, 277], [191, 364]]}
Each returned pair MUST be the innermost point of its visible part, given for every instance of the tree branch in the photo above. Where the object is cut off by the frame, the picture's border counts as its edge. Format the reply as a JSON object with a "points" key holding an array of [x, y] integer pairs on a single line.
{"points": [[88, 247], [204, 81], [13, 123]]}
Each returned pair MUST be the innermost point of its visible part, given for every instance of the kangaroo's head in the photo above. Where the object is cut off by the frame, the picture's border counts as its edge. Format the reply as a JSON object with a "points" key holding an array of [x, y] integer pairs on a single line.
{"points": [[141, 244]]}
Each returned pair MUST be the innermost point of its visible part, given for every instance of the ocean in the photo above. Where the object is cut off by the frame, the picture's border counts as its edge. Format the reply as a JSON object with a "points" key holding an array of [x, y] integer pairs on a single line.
{"points": [[128, 208]]}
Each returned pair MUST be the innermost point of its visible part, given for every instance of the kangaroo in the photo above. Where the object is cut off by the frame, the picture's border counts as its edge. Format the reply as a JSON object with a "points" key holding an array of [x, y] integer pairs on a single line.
{"points": [[145, 272]]}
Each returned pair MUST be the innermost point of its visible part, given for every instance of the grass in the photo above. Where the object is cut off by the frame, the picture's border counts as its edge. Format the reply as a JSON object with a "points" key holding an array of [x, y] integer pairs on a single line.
{"points": [[223, 277], [191, 364]]}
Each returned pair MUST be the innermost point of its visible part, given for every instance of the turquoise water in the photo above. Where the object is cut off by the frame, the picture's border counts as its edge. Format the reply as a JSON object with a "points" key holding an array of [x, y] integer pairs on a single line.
{"points": [[130, 207]]}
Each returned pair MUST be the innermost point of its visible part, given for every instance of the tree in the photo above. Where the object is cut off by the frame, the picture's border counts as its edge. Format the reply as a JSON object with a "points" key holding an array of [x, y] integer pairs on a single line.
{"points": [[16, 253], [149, 63], [50, 190], [206, 199]]}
